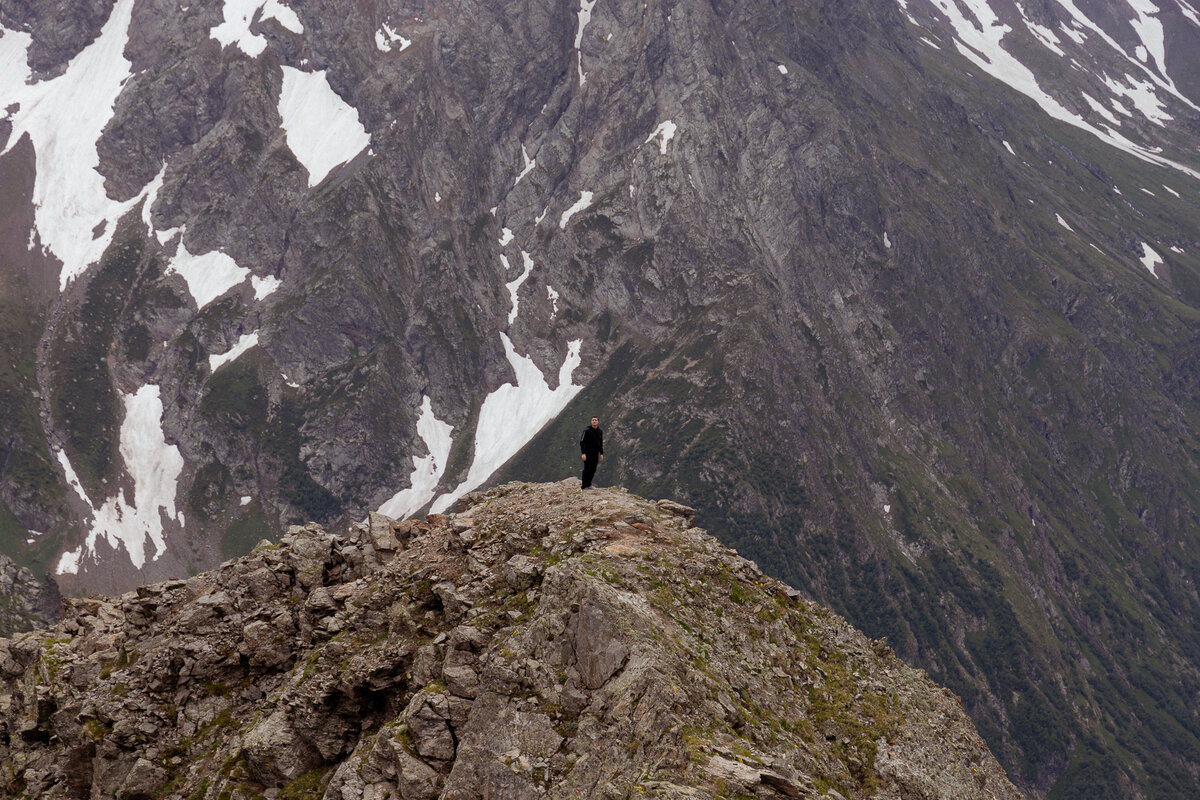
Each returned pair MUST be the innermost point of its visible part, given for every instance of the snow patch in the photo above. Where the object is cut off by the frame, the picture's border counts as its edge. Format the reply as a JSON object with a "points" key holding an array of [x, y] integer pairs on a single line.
{"points": [[515, 285], [386, 37], [68, 562], [264, 286], [239, 14], [1175, 249], [208, 276], [927, 40], [782, 69], [886, 241], [1151, 260], [64, 118], [513, 414], [1042, 34], [538, 219], [979, 41], [1100, 109], [1141, 95], [155, 467], [1008, 147], [322, 131], [506, 236], [1169, 189], [667, 131], [1063, 222], [585, 16], [1189, 12], [553, 296], [244, 343], [1076, 36], [427, 471], [1146, 33], [530, 163], [585, 200], [245, 500]]}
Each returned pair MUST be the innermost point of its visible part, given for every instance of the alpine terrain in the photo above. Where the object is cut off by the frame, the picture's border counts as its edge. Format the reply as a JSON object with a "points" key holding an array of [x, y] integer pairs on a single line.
{"points": [[535, 645], [903, 298]]}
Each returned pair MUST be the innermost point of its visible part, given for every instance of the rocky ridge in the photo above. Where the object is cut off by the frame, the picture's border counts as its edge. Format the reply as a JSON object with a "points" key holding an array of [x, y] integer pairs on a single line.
{"points": [[540, 642]]}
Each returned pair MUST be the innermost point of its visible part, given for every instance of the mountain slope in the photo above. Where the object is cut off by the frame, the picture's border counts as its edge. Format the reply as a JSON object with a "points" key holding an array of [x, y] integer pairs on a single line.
{"points": [[914, 329], [544, 643]]}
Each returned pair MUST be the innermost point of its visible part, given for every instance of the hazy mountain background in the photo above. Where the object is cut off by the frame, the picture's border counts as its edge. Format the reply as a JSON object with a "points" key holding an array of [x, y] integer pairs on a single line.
{"points": [[902, 297]]}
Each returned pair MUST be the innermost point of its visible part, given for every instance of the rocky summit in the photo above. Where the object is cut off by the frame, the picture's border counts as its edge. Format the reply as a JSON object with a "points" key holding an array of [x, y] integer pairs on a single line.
{"points": [[539, 642]]}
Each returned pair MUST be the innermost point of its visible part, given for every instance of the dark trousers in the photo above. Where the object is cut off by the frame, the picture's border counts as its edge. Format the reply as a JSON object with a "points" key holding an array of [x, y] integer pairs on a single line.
{"points": [[589, 468]]}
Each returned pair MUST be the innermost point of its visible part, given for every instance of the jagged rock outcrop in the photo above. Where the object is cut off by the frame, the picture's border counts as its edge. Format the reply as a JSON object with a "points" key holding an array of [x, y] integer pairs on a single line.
{"points": [[25, 602], [541, 642]]}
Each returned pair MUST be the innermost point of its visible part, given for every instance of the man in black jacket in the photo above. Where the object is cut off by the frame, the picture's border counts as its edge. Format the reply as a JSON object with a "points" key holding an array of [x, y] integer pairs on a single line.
{"points": [[591, 445]]}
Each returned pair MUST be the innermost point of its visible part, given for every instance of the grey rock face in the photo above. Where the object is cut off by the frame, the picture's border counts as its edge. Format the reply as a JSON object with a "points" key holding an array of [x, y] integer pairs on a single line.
{"points": [[638, 660], [25, 602]]}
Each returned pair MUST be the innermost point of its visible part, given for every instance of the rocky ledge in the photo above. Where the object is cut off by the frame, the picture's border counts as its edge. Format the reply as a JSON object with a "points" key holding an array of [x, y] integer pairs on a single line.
{"points": [[542, 642], [25, 602]]}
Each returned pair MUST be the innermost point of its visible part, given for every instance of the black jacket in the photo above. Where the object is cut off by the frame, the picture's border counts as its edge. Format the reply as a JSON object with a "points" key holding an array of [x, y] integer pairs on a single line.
{"points": [[592, 441]]}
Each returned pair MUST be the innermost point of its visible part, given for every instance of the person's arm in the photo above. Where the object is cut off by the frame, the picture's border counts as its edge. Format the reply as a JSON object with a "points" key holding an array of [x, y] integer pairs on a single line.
{"points": [[582, 442], [600, 437]]}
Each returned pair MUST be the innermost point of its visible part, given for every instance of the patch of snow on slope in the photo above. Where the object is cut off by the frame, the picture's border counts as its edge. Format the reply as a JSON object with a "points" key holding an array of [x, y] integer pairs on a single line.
{"points": [[1163, 81], [244, 343], [155, 467], [264, 286], [427, 471], [667, 131], [1150, 30], [506, 236], [1063, 222], [151, 194], [515, 285], [385, 37], [1074, 35], [68, 562], [1100, 109], [239, 14], [585, 16], [208, 276], [1151, 260], [322, 131], [1042, 34], [530, 163], [1169, 189], [1141, 94], [553, 297], [1189, 12], [782, 69], [64, 118], [979, 42], [585, 200], [513, 414]]}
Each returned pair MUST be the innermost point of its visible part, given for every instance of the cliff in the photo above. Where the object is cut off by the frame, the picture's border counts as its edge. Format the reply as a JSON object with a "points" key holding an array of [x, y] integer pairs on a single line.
{"points": [[541, 642]]}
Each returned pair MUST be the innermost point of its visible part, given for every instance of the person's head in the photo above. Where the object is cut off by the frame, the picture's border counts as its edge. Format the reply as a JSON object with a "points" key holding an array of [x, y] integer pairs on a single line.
{"points": [[595, 422]]}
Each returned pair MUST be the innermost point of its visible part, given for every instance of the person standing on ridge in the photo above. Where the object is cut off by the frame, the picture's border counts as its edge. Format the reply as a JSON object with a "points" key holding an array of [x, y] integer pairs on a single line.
{"points": [[591, 445]]}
